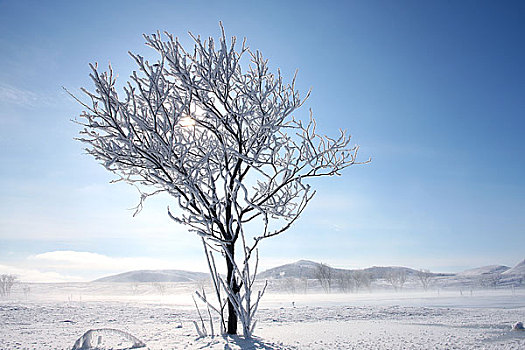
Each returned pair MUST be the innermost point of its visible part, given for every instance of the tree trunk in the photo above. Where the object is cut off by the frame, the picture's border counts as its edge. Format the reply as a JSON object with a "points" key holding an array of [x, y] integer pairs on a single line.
{"points": [[232, 282]]}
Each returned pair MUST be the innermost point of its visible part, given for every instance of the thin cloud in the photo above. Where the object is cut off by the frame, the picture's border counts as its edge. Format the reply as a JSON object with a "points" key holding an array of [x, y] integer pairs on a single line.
{"points": [[77, 266], [35, 275], [12, 95], [69, 260]]}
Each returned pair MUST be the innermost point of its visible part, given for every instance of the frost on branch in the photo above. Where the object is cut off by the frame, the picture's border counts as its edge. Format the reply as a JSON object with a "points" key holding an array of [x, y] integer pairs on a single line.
{"points": [[213, 128]]}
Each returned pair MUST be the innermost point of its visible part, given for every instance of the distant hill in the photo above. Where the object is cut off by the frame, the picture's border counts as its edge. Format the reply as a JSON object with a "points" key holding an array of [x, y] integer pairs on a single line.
{"points": [[156, 276], [298, 269], [516, 270], [491, 276], [377, 272], [308, 269], [485, 270]]}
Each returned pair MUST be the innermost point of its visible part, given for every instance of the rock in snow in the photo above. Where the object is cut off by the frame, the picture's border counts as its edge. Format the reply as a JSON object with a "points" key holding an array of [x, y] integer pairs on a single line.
{"points": [[518, 326]]}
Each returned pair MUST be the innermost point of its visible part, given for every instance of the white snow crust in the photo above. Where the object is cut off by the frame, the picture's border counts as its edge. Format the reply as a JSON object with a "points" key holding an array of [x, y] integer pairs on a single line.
{"points": [[54, 316]]}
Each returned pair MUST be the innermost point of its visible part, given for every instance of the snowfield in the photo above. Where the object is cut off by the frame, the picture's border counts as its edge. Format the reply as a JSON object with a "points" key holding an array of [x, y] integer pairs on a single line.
{"points": [[54, 316]]}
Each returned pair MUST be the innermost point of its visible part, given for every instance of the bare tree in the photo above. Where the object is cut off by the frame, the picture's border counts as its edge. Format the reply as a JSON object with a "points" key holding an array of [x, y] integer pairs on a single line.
{"points": [[303, 278], [26, 289], [304, 284], [6, 283], [425, 277], [290, 284], [213, 128], [324, 275], [367, 279], [345, 281], [361, 279], [402, 278], [490, 280], [160, 287], [396, 278]]}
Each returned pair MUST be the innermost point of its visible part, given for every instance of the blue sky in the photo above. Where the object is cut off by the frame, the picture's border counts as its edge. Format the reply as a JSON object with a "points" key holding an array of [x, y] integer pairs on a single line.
{"points": [[432, 91]]}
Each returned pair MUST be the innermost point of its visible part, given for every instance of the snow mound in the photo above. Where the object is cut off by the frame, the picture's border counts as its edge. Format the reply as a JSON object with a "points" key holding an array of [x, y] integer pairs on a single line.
{"points": [[517, 270], [107, 338]]}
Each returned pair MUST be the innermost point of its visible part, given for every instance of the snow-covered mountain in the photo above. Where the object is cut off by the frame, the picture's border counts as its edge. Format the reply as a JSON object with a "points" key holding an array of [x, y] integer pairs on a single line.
{"points": [[485, 270], [156, 276], [377, 272], [308, 269], [298, 269], [519, 269]]}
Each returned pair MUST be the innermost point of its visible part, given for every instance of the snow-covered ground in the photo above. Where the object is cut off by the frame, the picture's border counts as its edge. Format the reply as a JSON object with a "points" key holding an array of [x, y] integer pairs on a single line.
{"points": [[54, 316]]}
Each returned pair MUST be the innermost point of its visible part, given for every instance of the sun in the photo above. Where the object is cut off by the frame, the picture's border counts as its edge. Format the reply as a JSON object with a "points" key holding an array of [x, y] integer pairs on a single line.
{"points": [[187, 121]]}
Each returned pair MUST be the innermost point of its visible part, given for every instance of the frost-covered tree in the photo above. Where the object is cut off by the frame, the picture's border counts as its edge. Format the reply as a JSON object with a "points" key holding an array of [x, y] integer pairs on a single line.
{"points": [[361, 279], [324, 274], [425, 278], [213, 128], [6, 283], [397, 278], [490, 280], [345, 281]]}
